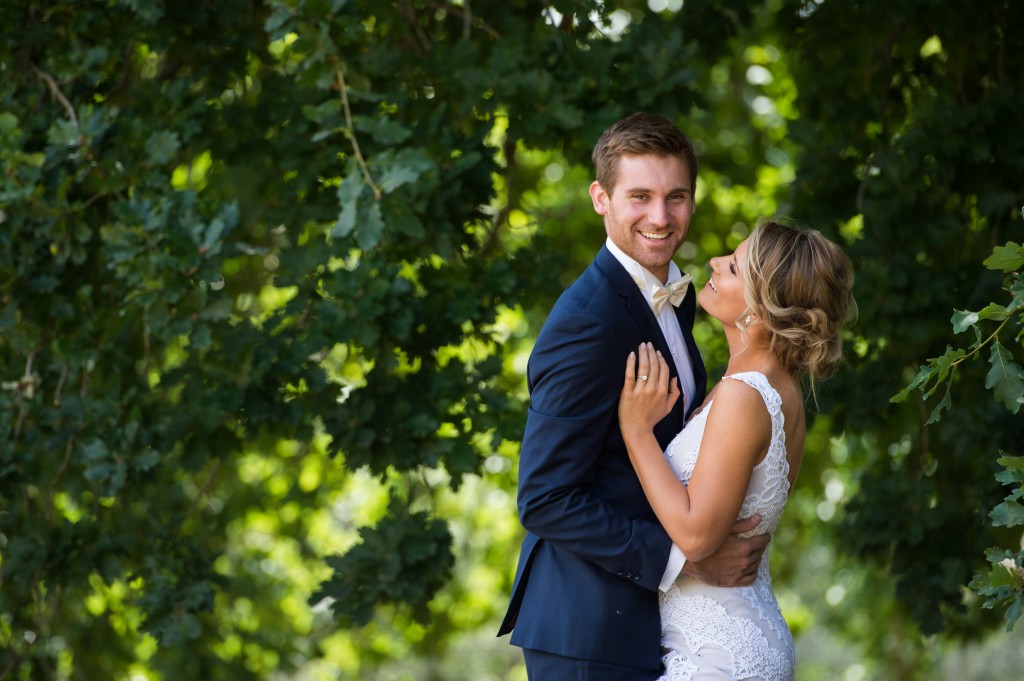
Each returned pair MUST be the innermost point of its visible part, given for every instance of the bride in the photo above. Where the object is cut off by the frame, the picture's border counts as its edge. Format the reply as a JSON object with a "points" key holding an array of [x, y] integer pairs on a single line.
{"points": [[783, 298]]}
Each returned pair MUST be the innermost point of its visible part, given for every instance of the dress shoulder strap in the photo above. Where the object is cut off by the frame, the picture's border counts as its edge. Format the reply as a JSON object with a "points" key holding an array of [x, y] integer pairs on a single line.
{"points": [[773, 402], [759, 382]]}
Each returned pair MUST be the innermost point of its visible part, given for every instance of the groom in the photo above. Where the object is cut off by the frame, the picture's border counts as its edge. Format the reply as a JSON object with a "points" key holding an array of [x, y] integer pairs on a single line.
{"points": [[585, 598]]}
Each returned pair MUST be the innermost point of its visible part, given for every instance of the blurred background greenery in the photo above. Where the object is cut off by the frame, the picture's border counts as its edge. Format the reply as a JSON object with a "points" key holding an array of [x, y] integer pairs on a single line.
{"points": [[271, 271]]}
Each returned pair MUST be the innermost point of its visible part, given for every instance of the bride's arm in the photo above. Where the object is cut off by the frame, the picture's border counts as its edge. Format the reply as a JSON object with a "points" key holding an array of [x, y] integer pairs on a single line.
{"points": [[737, 432]]}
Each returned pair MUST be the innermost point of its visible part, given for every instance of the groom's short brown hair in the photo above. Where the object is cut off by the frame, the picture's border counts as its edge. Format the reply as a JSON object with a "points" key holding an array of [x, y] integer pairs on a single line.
{"points": [[640, 134]]}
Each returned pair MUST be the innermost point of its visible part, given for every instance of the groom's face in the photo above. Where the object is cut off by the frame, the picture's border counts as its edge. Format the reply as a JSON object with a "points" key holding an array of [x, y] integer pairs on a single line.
{"points": [[647, 213]]}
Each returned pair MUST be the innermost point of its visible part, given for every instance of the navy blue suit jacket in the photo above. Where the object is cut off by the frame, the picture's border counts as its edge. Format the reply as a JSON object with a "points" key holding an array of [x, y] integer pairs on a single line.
{"points": [[594, 554]]}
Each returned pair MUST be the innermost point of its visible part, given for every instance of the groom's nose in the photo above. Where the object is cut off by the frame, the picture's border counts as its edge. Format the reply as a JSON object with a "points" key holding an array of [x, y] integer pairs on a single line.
{"points": [[658, 214]]}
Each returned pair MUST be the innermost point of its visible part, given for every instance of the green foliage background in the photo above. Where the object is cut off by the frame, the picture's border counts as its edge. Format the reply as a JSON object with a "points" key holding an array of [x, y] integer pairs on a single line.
{"points": [[270, 272]]}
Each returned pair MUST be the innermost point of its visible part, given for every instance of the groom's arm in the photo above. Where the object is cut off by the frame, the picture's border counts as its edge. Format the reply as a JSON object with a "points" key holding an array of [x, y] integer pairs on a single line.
{"points": [[736, 560], [574, 393]]}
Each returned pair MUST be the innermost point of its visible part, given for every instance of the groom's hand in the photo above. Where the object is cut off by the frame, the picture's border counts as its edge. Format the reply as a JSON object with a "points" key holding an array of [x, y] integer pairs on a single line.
{"points": [[736, 560]]}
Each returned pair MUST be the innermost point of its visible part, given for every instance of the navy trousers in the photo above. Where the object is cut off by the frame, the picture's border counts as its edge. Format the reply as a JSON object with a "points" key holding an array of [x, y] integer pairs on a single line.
{"points": [[541, 666]]}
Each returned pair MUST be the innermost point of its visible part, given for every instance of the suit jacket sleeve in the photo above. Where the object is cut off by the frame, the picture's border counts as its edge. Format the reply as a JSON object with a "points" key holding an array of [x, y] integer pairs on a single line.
{"points": [[571, 438]]}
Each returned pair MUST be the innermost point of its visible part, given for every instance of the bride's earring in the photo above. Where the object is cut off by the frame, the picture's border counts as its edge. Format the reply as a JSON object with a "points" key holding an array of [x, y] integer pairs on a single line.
{"points": [[746, 320]]}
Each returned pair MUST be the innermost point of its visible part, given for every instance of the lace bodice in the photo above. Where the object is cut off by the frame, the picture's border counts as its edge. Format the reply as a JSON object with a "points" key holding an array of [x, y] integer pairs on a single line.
{"points": [[731, 633], [769, 481]]}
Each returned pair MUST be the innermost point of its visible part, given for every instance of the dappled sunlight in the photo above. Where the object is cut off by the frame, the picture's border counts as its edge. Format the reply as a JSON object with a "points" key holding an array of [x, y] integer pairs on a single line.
{"points": [[270, 281]]}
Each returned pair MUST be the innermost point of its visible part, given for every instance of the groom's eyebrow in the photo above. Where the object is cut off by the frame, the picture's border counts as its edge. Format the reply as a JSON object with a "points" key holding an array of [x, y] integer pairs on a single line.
{"points": [[648, 190]]}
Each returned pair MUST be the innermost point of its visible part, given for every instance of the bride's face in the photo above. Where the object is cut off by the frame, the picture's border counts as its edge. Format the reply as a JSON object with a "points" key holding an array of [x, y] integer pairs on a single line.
{"points": [[722, 295]]}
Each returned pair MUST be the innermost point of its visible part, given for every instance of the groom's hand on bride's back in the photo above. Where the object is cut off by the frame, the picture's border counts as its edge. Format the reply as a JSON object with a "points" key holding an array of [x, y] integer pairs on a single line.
{"points": [[735, 562]]}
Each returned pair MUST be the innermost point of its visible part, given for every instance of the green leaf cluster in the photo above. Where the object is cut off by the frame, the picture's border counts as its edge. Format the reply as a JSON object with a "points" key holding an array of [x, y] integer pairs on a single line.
{"points": [[255, 256], [373, 573], [269, 273], [906, 149], [1005, 378]]}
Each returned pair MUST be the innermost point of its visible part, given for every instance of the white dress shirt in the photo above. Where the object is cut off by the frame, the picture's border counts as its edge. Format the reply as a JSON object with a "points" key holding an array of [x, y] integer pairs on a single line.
{"points": [[669, 324]]}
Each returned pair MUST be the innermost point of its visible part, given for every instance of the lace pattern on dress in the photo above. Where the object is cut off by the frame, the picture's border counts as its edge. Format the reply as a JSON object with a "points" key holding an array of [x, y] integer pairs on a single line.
{"points": [[706, 625], [732, 633]]}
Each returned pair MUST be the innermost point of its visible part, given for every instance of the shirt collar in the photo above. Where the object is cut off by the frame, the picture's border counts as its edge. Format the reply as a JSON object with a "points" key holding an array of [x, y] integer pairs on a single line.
{"points": [[639, 272]]}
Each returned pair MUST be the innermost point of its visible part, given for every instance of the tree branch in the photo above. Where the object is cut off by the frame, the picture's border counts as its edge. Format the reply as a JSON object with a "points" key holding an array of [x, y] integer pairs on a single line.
{"points": [[977, 348], [469, 20], [339, 76], [60, 385], [55, 90], [410, 15], [63, 464]]}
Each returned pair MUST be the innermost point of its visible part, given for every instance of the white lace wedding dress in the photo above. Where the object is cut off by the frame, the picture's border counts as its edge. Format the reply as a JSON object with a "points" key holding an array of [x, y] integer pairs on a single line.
{"points": [[731, 633]]}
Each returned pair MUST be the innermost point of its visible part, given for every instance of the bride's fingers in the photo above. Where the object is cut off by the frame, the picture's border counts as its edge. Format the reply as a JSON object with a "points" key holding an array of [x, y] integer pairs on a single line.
{"points": [[630, 371], [657, 368], [651, 360], [644, 365]]}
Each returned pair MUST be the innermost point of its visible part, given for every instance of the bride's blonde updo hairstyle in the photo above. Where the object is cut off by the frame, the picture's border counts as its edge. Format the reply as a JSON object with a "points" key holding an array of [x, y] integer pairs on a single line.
{"points": [[800, 286]]}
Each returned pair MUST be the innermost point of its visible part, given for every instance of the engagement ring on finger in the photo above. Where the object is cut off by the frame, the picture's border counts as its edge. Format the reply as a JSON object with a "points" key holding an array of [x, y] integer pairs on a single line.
{"points": [[644, 377]]}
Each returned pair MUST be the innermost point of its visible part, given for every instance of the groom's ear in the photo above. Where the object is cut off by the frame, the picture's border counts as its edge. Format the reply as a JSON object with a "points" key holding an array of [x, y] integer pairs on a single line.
{"points": [[600, 198]]}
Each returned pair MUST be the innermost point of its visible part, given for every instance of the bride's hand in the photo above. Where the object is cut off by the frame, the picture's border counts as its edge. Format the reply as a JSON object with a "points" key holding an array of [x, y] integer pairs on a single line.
{"points": [[647, 394]]}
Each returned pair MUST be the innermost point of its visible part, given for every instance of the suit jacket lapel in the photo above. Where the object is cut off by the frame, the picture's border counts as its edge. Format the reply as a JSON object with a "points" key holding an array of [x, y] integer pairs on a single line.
{"points": [[633, 297]]}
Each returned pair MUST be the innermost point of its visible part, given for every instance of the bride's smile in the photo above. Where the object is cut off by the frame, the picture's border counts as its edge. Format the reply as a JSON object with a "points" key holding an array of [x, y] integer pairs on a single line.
{"points": [[722, 297]]}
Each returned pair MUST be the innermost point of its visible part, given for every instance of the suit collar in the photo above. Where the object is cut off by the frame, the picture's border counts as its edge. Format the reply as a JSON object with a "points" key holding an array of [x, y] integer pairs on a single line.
{"points": [[616, 274]]}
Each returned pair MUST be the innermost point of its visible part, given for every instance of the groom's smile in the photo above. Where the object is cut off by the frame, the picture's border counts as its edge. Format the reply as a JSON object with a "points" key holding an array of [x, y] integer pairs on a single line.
{"points": [[654, 235]]}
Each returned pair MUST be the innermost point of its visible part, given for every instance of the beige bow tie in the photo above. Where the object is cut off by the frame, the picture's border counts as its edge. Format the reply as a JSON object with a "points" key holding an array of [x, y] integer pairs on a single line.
{"points": [[673, 293]]}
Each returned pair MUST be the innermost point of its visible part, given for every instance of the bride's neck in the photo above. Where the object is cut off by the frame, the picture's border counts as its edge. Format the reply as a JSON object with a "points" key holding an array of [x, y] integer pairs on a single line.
{"points": [[748, 350]]}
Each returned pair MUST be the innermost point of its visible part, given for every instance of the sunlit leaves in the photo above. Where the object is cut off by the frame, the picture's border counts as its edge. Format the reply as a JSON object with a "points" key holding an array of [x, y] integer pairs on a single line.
{"points": [[374, 572], [224, 350]]}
